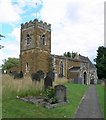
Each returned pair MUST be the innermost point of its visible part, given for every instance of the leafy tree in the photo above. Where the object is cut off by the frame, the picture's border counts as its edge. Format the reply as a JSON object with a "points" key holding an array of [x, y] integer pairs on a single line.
{"points": [[71, 55], [101, 62], [65, 54], [9, 63], [0, 39]]}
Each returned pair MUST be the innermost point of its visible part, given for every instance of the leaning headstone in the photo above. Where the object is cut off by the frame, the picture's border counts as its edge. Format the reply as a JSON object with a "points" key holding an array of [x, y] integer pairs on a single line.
{"points": [[21, 74], [60, 93], [51, 75], [17, 75], [47, 82], [41, 74], [35, 77]]}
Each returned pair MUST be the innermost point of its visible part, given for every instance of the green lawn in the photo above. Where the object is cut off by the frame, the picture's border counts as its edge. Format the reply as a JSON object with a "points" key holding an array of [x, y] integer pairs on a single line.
{"points": [[101, 94], [14, 108]]}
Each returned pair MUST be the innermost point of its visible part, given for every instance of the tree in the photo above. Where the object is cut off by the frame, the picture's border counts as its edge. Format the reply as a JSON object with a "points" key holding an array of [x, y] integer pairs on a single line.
{"points": [[0, 39], [101, 62], [71, 55], [9, 63]]}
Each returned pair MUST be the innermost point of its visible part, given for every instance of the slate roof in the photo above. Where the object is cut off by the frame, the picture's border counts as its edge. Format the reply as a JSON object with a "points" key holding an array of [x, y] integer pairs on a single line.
{"points": [[68, 58], [80, 59], [87, 59]]}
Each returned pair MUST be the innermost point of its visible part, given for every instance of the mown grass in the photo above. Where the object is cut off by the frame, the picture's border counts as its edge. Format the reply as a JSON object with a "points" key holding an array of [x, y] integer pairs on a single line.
{"points": [[15, 108], [101, 94]]}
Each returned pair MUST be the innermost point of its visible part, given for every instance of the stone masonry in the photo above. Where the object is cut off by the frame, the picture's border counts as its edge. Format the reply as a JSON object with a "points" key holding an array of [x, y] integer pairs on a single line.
{"points": [[35, 54]]}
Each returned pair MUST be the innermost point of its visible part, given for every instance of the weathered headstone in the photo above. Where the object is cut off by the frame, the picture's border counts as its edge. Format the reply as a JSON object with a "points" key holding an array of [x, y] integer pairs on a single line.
{"points": [[21, 74], [17, 74], [60, 93], [41, 74], [48, 82], [51, 75], [35, 77]]}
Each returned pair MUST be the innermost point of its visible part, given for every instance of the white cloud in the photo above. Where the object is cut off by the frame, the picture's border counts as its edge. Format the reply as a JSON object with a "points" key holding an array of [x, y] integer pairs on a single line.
{"points": [[29, 3], [11, 49], [8, 12], [77, 25], [11, 11], [16, 34]]}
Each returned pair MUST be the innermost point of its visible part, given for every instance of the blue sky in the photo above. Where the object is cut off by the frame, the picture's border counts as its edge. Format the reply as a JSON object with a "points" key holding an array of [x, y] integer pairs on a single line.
{"points": [[77, 25]]}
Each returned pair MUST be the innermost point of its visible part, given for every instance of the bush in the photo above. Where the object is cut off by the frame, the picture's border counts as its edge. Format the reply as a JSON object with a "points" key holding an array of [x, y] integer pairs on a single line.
{"points": [[49, 95]]}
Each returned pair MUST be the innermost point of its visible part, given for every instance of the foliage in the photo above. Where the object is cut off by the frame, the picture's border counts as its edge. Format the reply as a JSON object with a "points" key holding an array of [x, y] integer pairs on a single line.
{"points": [[49, 95], [20, 109], [101, 62], [68, 54], [9, 63], [0, 39]]}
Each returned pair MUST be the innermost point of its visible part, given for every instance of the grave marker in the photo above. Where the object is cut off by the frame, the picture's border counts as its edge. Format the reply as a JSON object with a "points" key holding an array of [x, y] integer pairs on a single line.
{"points": [[60, 92], [48, 82]]}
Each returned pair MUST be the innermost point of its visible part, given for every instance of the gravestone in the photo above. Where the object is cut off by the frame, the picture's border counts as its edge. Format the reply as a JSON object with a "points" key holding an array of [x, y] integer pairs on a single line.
{"points": [[60, 93], [51, 75], [35, 77], [21, 74], [47, 82], [41, 74], [18, 74]]}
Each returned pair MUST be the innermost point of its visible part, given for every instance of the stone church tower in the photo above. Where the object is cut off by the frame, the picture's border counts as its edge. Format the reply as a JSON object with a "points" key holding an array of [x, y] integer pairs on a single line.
{"points": [[35, 46]]}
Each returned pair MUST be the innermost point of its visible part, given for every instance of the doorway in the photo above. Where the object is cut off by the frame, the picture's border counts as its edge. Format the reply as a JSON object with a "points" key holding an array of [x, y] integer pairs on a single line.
{"points": [[85, 78]]}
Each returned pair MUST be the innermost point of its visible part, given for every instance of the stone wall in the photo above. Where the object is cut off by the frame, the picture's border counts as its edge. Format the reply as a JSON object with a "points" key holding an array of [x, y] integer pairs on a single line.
{"points": [[34, 55]]}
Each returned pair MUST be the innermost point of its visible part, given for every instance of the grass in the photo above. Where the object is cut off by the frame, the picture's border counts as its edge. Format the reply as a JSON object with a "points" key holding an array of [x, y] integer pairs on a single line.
{"points": [[101, 94], [14, 108]]}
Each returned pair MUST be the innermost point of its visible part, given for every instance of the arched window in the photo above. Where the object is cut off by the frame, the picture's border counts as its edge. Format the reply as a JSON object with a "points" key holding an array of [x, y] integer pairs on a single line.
{"points": [[61, 69], [43, 39], [28, 39], [26, 67]]}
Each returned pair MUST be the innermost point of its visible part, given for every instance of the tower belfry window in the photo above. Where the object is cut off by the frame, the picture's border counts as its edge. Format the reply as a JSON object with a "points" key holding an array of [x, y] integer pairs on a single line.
{"points": [[43, 39], [28, 39]]}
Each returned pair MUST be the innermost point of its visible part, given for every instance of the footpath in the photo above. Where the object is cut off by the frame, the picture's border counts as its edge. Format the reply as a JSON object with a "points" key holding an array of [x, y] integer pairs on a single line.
{"points": [[90, 106]]}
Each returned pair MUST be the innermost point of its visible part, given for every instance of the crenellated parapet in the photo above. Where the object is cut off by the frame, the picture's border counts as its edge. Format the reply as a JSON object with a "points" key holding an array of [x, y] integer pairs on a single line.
{"points": [[35, 23]]}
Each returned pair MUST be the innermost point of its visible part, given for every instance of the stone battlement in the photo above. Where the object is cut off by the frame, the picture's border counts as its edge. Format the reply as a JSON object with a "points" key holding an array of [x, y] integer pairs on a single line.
{"points": [[40, 24]]}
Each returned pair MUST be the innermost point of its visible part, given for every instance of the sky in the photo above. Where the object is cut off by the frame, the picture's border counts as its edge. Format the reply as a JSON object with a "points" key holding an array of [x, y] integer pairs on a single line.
{"points": [[76, 25]]}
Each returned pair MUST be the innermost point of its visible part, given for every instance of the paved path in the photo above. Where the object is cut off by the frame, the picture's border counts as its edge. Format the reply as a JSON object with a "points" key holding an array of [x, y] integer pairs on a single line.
{"points": [[89, 107]]}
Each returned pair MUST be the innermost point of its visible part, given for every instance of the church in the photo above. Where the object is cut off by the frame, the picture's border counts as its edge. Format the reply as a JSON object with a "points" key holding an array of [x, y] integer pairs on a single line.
{"points": [[35, 54]]}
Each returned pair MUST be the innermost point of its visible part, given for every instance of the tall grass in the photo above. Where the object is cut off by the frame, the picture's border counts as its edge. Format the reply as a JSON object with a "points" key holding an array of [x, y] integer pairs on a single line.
{"points": [[25, 86], [13, 108], [20, 87]]}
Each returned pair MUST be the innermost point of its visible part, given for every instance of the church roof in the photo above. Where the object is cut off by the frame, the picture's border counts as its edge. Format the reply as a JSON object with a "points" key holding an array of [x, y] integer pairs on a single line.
{"points": [[87, 59], [68, 58], [75, 68]]}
